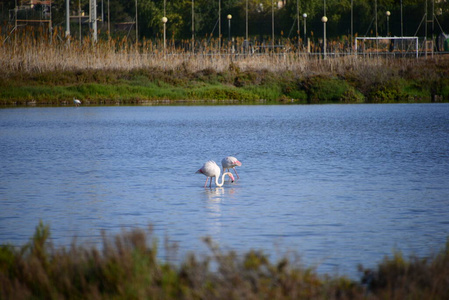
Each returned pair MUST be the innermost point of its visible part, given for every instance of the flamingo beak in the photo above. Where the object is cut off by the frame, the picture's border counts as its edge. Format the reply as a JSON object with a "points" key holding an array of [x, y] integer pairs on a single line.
{"points": [[232, 178]]}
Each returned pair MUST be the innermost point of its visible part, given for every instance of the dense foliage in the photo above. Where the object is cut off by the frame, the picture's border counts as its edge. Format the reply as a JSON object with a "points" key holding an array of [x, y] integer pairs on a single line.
{"points": [[179, 14]]}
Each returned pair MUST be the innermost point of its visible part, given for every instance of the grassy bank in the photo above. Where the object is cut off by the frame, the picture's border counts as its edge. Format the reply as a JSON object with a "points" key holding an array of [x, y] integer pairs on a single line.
{"points": [[127, 268], [42, 73], [155, 85]]}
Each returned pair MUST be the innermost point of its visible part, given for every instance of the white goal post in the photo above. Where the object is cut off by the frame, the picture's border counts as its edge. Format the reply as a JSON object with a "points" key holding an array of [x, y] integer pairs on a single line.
{"points": [[410, 41]]}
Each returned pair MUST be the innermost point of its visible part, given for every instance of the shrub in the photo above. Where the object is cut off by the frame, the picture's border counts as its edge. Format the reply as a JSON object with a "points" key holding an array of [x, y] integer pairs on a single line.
{"points": [[326, 89], [387, 92], [413, 278], [127, 267]]}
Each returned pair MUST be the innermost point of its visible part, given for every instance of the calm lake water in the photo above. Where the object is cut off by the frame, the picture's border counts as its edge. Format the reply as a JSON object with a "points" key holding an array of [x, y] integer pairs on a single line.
{"points": [[338, 184]]}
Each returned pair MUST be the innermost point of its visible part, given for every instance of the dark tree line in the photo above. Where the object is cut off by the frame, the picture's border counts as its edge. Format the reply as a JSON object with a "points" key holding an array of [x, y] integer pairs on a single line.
{"points": [[179, 15]]}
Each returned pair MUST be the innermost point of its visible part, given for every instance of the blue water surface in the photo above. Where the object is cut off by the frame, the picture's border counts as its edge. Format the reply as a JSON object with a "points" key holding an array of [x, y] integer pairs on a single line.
{"points": [[339, 185]]}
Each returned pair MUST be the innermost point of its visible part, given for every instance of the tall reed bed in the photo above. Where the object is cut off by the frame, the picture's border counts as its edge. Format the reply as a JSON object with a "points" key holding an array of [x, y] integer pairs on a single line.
{"points": [[29, 58], [31, 51]]}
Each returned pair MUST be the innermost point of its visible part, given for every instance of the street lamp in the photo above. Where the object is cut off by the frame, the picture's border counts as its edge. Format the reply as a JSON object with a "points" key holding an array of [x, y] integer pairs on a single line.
{"points": [[324, 20], [193, 26], [304, 15], [402, 25], [388, 21], [164, 20], [246, 20], [299, 24], [272, 23], [229, 26], [67, 15], [352, 25]]}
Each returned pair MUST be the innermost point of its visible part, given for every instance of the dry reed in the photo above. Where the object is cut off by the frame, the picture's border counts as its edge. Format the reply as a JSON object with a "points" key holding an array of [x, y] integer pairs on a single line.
{"points": [[36, 53]]}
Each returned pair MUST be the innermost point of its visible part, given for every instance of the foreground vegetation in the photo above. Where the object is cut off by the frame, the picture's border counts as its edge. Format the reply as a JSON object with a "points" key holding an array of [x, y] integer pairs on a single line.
{"points": [[127, 267], [43, 70]]}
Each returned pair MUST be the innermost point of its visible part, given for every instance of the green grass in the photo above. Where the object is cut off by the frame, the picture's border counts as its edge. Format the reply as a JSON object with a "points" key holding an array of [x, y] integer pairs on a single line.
{"points": [[221, 92], [445, 91], [143, 85], [127, 267], [326, 89]]}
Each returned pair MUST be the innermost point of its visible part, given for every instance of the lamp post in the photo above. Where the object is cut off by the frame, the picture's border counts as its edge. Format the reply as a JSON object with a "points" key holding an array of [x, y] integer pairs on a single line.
{"points": [[304, 15], [324, 20], [109, 24], [219, 25], [375, 16], [164, 21], [388, 22], [79, 20], [93, 19], [299, 24], [67, 17], [137, 28], [352, 25], [402, 30], [402, 25], [229, 26], [193, 26], [246, 21], [272, 24]]}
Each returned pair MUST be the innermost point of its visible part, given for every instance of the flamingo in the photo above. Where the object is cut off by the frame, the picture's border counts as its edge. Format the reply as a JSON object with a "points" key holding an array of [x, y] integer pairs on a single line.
{"points": [[231, 162], [76, 101], [211, 169]]}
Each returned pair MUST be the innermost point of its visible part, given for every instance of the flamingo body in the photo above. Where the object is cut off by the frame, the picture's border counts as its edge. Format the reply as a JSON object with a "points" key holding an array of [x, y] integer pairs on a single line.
{"points": [[210, 169], [231, 162], [76, 102]]}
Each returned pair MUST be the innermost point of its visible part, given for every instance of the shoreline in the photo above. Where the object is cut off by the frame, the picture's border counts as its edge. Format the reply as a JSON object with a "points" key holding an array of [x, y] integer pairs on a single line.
{"points": [[264, 88], [199, 80]]}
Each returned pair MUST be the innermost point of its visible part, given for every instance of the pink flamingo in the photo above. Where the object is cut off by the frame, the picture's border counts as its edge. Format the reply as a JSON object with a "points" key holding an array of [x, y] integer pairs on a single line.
{"points": [[231, 162], [211, 169]]}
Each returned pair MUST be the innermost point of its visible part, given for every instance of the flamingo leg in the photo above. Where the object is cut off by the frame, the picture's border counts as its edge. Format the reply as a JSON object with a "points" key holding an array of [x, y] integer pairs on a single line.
{"points": [[238, 177], [228, 170], [205, 184]]}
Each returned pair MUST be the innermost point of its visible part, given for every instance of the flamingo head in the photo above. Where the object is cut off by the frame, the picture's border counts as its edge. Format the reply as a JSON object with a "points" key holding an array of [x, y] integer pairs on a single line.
{"points": [[231, 176]]}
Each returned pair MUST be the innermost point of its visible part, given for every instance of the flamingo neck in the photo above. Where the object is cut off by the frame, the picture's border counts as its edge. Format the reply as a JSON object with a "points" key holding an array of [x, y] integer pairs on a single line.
{"points": [[222, 179]]}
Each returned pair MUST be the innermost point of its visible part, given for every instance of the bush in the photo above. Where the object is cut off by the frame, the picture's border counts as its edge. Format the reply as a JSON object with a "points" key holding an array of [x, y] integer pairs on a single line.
{"points": [[415, 278], [393, 90], [324, 89], [127, 267]]}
